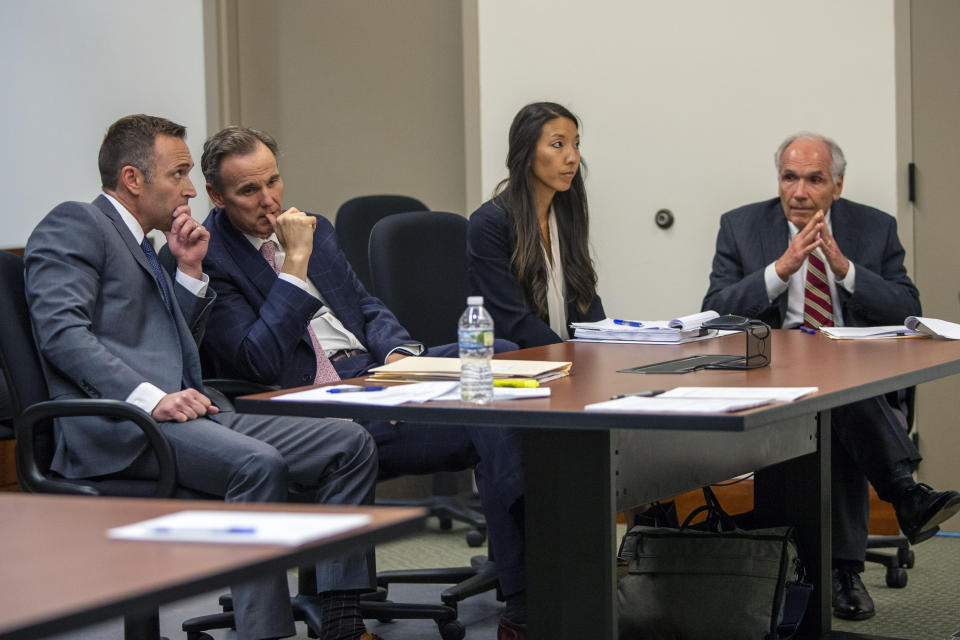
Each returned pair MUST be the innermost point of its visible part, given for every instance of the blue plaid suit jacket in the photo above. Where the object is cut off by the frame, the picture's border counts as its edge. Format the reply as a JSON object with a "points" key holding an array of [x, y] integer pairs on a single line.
{"points": [[258, 328]]}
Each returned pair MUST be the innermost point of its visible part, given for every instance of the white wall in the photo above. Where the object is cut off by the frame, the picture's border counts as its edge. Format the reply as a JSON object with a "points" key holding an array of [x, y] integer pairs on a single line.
{"points": [[72, 68], [683, 104]]}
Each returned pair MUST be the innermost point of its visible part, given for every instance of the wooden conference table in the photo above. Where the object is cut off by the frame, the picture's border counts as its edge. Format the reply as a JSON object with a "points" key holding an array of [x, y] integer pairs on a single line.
{"points": [[60, 571], [582, 467]]}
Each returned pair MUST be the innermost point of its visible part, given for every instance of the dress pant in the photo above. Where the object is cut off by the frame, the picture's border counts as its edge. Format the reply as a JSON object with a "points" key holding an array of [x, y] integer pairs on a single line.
{"points": [[495, 454], [870, 442], [252, 458]]}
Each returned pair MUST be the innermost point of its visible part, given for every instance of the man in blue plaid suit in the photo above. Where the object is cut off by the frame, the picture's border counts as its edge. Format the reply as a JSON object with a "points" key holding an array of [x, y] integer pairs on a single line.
{"points": [[274, 307]]}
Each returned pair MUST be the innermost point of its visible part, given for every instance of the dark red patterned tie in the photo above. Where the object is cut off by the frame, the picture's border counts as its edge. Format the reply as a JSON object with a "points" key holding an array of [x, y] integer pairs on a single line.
{"points": [[325, 371], [817, 306]]}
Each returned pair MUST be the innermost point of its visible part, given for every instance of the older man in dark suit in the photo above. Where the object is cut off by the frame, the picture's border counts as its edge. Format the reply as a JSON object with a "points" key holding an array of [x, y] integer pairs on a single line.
{"points": [[109, 323], [809, 259], [290, 306]]}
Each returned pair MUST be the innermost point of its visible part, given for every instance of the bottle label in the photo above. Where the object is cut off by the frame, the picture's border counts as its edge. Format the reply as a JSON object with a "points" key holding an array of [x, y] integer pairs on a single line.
{"points": [[474, 338]]}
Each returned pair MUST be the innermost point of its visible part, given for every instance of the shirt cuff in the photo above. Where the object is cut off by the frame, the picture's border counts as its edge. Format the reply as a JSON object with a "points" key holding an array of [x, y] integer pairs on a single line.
{"points": [[191, 284], [146, 397], [847, 283], [295, 281], [408, 349], [775, 286]]}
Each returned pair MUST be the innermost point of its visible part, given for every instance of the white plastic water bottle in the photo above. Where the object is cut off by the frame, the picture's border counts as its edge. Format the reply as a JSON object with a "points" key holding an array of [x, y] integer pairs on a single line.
{"points": [[475, 336]]}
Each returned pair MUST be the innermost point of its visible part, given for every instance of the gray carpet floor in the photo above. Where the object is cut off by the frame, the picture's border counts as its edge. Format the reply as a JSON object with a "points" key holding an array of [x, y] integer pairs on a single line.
{"points": [[927, 609]]}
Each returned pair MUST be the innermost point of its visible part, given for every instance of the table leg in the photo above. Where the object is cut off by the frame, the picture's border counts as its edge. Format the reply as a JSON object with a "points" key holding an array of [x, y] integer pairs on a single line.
{"points": [[797, 492], [570, 533]]}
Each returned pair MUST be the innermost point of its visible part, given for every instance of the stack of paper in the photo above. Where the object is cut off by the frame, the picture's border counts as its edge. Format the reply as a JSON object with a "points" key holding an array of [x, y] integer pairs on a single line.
{"points": [[912, 327], [869, 333], [682, 329], [391, 396], [424, 368], [703, 399], [934, 327]]}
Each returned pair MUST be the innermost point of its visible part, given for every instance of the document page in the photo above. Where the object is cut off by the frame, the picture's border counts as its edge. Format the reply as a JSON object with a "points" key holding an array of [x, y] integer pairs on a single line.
{"points": [[934, 327], [241, 527], [660, 404], [781, 394]]}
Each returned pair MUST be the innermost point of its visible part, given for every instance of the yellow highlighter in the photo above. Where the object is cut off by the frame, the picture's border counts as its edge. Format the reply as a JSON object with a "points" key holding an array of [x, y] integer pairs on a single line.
{"points": [[516, 382]]}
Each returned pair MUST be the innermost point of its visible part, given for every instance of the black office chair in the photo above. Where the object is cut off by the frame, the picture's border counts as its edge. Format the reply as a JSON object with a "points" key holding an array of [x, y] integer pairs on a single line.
{"points": [[33, 413], [418, 268], [356, 217]]}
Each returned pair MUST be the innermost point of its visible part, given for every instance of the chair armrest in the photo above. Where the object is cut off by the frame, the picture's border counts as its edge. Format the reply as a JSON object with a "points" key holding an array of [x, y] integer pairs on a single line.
{"points": [[34, 479]]}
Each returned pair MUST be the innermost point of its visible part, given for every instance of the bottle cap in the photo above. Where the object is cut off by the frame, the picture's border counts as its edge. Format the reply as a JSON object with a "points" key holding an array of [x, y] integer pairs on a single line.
{"points": [[475, 301]]}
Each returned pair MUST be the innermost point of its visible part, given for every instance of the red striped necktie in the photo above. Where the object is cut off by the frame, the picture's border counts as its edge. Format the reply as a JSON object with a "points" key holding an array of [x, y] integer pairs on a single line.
{"points": [[325, 371], [817, 305]]}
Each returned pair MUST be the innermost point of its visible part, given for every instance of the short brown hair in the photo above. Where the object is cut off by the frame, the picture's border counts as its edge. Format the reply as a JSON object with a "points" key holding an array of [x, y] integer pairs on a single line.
{"points": [[129, 141], [231, 141]]}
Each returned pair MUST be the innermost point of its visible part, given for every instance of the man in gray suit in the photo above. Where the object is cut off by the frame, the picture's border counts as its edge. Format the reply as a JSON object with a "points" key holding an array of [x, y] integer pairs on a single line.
{"points": [[109, 323], [809, 259]]}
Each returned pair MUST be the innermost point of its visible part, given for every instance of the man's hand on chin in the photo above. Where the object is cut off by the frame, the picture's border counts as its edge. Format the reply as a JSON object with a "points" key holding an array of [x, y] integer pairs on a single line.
{"points": [[188, 241]]}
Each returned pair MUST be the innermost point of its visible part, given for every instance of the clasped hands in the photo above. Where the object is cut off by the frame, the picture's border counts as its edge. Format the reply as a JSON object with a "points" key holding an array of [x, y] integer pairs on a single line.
{"points": [[814, 234]]}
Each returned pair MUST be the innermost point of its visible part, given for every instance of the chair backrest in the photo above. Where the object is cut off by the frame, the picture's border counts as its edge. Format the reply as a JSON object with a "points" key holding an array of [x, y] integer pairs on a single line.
{"points": [[418, 264], [356, 217], [19, 359]]}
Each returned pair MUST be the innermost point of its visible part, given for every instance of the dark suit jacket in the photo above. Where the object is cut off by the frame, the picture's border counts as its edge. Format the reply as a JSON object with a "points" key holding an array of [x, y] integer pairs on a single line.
{"points": [[258, 328], [490, 243], [755, 235], [102, 328]]}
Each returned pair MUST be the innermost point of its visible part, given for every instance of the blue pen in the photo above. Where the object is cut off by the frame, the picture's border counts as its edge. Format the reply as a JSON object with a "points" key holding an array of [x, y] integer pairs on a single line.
{"points": [[629, 323], [204, 530], [372, 387], [808, 330]]}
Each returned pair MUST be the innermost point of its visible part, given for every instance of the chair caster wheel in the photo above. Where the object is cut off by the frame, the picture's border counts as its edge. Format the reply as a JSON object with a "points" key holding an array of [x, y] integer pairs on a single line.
{"points": [[906, 558], [896, 577], [476, 538], [453, 630]]}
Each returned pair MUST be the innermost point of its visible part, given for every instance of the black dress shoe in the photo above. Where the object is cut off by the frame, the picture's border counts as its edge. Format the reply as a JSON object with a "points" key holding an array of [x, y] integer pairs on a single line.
{"points": [[850, 598], [921, 509]]}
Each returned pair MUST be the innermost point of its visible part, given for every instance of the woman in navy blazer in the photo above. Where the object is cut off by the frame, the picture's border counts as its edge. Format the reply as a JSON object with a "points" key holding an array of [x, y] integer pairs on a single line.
{"points": [[527, 248]]}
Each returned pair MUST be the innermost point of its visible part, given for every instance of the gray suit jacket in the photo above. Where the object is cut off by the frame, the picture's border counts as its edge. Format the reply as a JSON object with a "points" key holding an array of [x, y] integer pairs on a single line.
{"points": [[102, 328], [755, 235]]}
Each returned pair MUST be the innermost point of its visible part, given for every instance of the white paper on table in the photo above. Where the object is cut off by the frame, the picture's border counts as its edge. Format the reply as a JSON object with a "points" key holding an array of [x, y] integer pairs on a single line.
{"points": [[935, 327], [864, 333], [500, 393], [782, 394], [659, 404], [388, 396], [241, 527]]}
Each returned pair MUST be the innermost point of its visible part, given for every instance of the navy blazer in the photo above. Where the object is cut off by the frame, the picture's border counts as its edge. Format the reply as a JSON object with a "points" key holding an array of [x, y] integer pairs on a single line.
{"points": [[490, 243], [753, 236], [258, 328]]}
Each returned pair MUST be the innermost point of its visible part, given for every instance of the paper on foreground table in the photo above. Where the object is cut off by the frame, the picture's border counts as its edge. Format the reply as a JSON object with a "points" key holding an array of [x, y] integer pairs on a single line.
{"points": [[241, 527]]}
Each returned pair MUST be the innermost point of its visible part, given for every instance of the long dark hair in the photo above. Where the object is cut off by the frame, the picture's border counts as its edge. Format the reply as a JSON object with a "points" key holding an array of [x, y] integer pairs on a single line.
{"points": [[516, 196]]}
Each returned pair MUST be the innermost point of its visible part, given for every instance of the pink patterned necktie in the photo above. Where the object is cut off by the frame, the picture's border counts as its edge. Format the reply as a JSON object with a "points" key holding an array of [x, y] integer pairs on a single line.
{"points": [[325, 371], [817, 305]]}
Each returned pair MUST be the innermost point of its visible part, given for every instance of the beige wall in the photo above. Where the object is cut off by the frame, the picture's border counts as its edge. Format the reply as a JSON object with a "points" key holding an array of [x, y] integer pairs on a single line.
{"points": [[683, 104], [364, 96]]}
